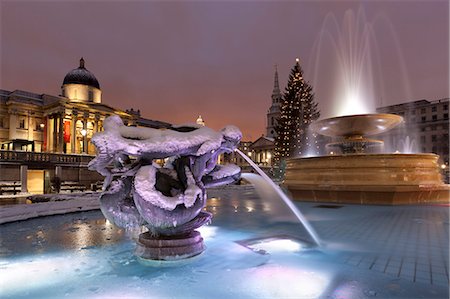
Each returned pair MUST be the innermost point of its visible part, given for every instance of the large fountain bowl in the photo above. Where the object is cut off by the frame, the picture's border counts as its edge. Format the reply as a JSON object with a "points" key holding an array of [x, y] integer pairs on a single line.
{"points": [[356, 125]]}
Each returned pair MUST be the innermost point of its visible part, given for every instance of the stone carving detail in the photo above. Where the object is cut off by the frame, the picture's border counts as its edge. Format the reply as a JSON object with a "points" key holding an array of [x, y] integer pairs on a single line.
{"points": [[167, 199]]}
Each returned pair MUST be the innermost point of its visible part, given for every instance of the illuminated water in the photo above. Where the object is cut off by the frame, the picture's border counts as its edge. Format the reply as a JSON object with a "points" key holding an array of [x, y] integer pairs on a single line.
{"points": [[372, 252], [280, 193], [355, 82]]}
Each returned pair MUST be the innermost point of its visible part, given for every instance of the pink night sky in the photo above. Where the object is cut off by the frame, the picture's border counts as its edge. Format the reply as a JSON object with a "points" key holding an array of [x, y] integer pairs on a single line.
{"points": [[177, 60]]}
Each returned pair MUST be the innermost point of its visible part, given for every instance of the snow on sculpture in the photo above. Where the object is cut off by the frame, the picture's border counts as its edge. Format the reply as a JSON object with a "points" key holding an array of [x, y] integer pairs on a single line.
{"points": [[167, 199]]}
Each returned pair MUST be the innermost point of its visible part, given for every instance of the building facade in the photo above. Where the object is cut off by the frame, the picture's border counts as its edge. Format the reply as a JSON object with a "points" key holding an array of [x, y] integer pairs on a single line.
{"points": [[45, 136], [425, 128]]}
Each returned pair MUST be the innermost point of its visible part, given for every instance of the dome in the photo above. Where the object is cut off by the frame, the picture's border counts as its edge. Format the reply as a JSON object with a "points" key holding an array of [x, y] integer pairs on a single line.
{"points": [[81, 75]]}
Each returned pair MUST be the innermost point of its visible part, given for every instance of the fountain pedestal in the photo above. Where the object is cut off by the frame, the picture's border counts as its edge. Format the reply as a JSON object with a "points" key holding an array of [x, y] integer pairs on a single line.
{"points": [[360, 176], [169, 248]]}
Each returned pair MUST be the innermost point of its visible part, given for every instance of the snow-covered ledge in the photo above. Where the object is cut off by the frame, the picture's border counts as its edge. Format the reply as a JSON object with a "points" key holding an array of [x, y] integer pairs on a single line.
{"points": [[27, 211]]}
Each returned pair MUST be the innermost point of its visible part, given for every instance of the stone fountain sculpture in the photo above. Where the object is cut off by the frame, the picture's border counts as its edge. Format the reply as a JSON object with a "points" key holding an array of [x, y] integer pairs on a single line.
{"points": [[357, 170], [168, 199]]}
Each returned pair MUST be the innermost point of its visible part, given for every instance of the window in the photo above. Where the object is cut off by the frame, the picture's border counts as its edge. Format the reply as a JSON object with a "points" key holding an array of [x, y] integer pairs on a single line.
{"points": [[445, 115], [446, 107], [1, 123], [424, 118], [22, 123], [434, 117], [39, 125], [433, 109], [433, 138], [423, 111], [91, 95], [434, 149]]}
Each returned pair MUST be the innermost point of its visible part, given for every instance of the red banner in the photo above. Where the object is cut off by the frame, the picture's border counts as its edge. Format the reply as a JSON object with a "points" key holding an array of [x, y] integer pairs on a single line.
{"points": [[67, 131]]}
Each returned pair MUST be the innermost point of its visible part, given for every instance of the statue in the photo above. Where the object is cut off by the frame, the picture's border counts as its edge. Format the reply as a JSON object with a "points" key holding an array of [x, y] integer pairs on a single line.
{"points": [[168, 199]]}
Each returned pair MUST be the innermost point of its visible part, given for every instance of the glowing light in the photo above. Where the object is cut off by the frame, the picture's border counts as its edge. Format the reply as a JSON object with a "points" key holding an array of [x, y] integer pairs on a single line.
{"points": [[269, 155], [278, 245], [270, 282], [83, 132], [443, 166], [352, 103], [208, 231], [42, 125], [249, 154], [43, 273]]}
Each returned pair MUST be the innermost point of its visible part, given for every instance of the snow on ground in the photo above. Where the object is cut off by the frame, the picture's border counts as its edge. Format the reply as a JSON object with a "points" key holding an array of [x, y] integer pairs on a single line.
{"points": [[58, 204]]}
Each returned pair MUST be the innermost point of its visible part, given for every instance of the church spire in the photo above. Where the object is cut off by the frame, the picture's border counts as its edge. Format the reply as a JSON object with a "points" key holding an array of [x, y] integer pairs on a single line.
{"points": [[274, 112], [276, 85], [276, 94]]}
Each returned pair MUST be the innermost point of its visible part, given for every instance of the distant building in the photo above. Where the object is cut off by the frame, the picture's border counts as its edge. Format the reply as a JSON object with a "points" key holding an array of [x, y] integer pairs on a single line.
{"points": [[261, 151], [54, 128], [274, 112], [426, 124]]}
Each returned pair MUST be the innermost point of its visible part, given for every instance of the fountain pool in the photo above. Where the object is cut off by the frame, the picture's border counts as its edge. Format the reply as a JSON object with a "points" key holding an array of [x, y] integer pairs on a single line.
{"points": [[369, 252]]}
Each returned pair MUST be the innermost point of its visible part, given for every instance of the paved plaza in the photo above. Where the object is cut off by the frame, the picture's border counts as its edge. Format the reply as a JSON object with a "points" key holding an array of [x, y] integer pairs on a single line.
{"points": [[366, 252]]}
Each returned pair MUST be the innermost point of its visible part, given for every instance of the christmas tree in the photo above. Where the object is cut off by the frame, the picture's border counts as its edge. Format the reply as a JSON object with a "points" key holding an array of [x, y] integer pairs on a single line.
{"points": [[298, 110]]}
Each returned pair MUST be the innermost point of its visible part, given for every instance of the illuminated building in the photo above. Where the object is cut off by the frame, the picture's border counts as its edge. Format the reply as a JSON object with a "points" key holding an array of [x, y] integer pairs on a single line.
{"points": [[426, 125], [49, 136]]}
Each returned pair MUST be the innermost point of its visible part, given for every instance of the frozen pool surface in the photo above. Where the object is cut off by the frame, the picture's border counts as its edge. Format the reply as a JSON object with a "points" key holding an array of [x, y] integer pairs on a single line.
{"points": [[369, 252]]}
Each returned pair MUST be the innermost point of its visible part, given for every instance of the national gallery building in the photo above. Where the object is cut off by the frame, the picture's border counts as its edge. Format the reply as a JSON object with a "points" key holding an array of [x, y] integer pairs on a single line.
{"points": [[43, 136]]}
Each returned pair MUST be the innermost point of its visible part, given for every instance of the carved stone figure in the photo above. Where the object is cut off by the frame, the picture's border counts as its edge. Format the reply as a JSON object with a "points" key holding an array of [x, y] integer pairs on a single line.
{"points": [[167, 199]]}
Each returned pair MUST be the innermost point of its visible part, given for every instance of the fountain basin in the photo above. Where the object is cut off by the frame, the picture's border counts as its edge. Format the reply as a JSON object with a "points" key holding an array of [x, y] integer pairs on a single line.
{"points": [[356, 125], [392, 179]]}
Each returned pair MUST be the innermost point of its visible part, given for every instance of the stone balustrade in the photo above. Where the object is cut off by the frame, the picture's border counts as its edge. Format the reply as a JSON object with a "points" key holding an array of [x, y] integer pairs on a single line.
{"points": [[43, 157]]}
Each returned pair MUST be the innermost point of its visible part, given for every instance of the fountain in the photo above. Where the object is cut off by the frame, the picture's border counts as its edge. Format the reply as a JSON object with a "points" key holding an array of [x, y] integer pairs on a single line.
{"points": [[356, 171], [167, 200], [408, 145]]}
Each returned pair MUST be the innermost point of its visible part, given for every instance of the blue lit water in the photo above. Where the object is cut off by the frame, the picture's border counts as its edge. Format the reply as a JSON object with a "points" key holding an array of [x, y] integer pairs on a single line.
{"points": [[369, 252]]}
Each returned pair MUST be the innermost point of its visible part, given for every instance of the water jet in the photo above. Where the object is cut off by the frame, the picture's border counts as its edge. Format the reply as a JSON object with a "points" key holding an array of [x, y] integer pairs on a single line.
{"points": [[359, 172]]}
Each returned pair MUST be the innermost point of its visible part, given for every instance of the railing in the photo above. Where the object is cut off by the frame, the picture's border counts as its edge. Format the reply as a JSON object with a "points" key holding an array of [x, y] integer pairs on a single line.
{"points": [[20, 156], [10, 187]]}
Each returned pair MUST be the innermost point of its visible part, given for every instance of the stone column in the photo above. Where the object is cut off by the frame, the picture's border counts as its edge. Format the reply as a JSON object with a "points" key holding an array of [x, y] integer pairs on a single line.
{"points": [[12, 125], [73, 138], [95, 126], [48, 136], [85, 140], [61, 133], [31, 126], [58, 171], [24, 178], [55, 134]]}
